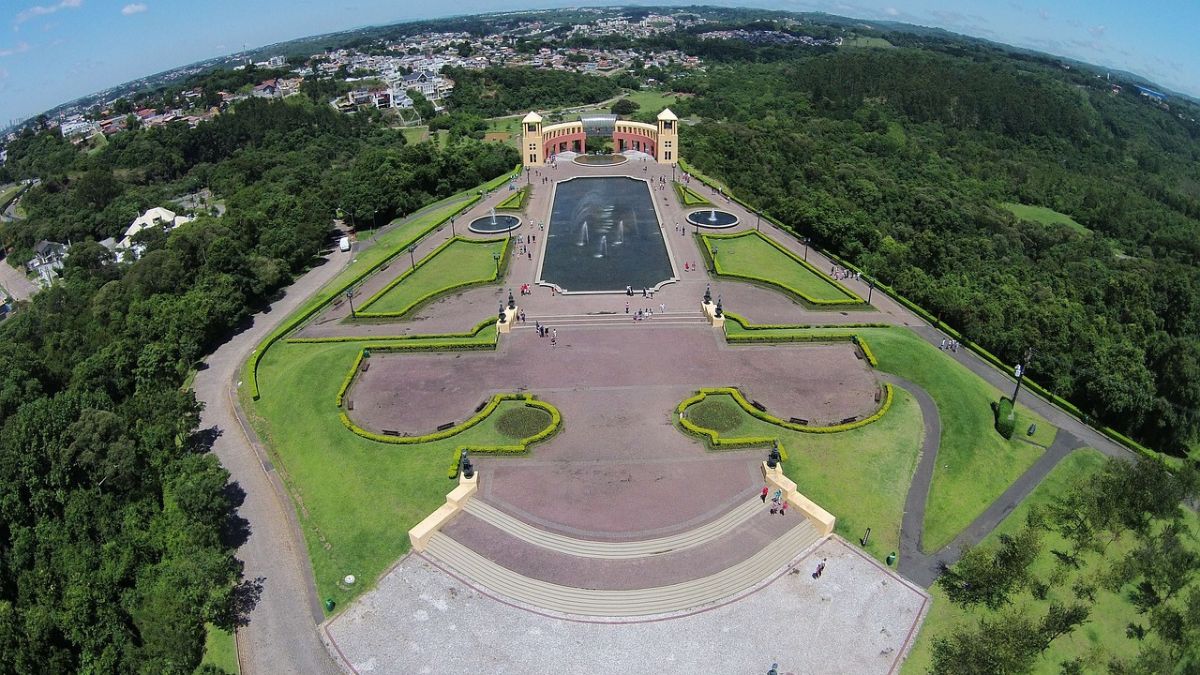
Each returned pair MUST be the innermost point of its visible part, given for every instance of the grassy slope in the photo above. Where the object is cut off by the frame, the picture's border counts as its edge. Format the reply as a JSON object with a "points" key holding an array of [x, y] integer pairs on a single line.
{"points": [[975, 464], [1045, 216], [459, 263], [754, 257], [356, 498], [1101, 637]]}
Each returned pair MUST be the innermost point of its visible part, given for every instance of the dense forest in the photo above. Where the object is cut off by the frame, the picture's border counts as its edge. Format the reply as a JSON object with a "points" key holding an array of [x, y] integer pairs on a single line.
{"points": [[499, 91], [117, 529], [899, 160]]}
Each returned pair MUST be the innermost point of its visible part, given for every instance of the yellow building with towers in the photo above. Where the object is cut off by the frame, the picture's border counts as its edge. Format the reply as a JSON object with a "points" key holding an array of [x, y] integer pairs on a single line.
{"points": [[541, 142]]}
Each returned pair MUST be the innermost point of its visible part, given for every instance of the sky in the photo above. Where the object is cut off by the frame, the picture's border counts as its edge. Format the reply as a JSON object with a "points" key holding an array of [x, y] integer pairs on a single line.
{"points": [[53, 51]]}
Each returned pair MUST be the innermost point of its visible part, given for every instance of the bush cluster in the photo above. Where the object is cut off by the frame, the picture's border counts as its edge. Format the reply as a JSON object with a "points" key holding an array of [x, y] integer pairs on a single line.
{"points": [[1006, 421]]}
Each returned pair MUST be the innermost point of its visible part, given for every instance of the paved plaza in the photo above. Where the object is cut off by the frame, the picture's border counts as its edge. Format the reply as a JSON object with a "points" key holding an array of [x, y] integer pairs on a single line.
{"points": [[859, 617]]}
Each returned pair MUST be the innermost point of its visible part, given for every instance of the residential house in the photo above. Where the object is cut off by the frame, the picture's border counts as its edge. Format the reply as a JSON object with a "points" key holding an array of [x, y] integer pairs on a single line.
{"points": [[155, 217], [48, 257]]}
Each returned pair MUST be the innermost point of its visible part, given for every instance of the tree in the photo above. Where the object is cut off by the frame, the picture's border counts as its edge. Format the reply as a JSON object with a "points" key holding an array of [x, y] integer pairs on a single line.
{"points": [[625, 107], [988, 576]]}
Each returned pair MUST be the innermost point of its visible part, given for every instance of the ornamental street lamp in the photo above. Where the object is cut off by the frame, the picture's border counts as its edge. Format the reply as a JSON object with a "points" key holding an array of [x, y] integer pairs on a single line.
{"points": [[1019, 372], [496, 258], [870, 290], [350, 297], [806, 240], [757, 220], [412, 250], [452, 234]]}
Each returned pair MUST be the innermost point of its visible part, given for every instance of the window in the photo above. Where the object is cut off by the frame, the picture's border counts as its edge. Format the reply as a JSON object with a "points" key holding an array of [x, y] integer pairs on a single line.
{"points": [[533, 146], [667, 155], [532, 158], [667, 125]]}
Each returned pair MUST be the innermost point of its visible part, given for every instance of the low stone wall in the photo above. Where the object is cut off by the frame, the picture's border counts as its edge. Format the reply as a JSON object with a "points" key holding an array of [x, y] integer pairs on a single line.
{"points": [[455, 502], [820, 518]]}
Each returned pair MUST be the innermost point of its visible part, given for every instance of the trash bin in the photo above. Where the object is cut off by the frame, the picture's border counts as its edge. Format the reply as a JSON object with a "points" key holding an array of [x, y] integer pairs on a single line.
{"points": [[329, 604], [1031, 430], [891, 559]]}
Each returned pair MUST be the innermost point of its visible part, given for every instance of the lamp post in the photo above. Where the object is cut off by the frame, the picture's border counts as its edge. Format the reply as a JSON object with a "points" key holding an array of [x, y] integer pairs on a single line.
{"points": [[496, 258], [452, 234], [757, 220], [412, 250], [870, 290], [350, 297], [374, 223], [806, 240], [1019, 371]]}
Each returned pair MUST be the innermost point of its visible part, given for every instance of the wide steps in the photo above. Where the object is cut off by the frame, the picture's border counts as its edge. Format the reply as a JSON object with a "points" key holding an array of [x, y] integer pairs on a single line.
{"points": [[620, 603], [614, 550], [609, 320]]}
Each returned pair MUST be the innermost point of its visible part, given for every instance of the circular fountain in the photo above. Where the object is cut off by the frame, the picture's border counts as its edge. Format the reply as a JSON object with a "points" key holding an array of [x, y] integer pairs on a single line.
{"points": [[494, 224], [600, 160], [715, 219]]}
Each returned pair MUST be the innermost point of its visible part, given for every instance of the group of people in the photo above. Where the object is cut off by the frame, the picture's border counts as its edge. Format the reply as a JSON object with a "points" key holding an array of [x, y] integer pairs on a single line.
{"points": [[839, 273], [778, 503], [952, 345], [646, 312], [544, 331], [689, 267]]}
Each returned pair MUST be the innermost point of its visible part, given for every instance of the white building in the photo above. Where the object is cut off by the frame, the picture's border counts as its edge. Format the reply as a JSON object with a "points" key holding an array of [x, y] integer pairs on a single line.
{"points": [[155, 217]]}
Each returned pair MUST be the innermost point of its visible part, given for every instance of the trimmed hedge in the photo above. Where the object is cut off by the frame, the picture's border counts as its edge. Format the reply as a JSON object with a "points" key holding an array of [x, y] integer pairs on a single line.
{"points": [[437, 435], [515, 201], [745, 324], [737, 396], [350, 376], [852, 299], [866, 350], [689, 197], [300, 318], [474, 332], [1005, 420], [504, 254]]}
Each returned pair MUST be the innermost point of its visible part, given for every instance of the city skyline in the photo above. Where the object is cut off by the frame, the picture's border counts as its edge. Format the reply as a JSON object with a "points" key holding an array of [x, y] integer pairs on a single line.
{"points": [[58, 51]]}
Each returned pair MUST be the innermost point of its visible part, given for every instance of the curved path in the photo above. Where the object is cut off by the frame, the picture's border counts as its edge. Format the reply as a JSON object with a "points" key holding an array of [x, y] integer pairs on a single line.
{"points": [[282, 635], [924, 568]]}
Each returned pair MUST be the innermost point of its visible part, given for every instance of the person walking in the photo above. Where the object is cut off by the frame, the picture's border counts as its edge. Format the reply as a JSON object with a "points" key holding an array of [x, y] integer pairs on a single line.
{"points": [[765, 490], [626, 306], [783, 508], [554, 334], [820, 569]]}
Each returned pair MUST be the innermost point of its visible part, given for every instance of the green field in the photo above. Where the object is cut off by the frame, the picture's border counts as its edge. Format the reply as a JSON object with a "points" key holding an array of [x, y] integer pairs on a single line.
{"points": [[220, 650], [975, 464], [1101, 637], [753, 256], [652, 100], [416, 134], [861, 476], [457, 264], [1044, 216], [356, 498], [868, 42]]}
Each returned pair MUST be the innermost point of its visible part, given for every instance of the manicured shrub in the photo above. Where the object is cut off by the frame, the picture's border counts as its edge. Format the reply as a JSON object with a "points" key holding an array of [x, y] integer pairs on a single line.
{"points": [[1006, 421]]}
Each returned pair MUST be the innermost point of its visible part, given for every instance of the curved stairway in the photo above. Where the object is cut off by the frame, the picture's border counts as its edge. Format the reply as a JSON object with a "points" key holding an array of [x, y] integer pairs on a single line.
{"points": [[577, 599], [613, 550]]}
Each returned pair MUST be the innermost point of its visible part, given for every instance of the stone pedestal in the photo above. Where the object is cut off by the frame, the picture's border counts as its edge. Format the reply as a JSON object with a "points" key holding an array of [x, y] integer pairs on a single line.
{"points": [[510, 317], [710, 312], [455, 502]]}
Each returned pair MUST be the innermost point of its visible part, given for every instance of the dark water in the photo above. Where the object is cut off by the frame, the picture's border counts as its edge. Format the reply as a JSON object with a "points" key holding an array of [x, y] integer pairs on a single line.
{"points": [[503, 224], [622, 246], [712, 218]]}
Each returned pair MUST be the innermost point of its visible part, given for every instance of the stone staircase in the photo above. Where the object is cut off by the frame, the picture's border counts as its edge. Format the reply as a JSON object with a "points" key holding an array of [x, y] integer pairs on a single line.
{"points": [[673, 319], [726, 541], [614, 550]]}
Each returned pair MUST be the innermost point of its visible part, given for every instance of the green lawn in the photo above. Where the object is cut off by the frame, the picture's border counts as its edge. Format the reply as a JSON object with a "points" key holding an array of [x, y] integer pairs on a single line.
{"points": [[754, 256], [652, 100], [9, 193], [689, 197], [460, 263], [356, 499], [220, 650], [872, 42], [975, 464], [860, 476], [1044, 216], [1101, 637], [416, 134]]}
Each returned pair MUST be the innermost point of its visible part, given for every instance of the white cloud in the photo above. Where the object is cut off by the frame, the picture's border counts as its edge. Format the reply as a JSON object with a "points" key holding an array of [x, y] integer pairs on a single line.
{"points": [[43, 10], [134, 8], [21, 48], [891, 11]]}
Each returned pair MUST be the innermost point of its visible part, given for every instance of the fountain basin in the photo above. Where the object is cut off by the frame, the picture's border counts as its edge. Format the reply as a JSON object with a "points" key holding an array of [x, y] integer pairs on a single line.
{"points": [[600, 160], [494, 224], [714, 219]]}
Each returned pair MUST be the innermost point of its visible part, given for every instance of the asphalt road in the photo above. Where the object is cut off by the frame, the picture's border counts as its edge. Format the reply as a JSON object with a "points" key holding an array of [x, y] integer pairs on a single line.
{"points": [[282, 633]]}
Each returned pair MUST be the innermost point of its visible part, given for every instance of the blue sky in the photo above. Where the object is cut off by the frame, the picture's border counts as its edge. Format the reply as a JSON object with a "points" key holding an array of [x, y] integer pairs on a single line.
{"points": [[52, 51]]}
